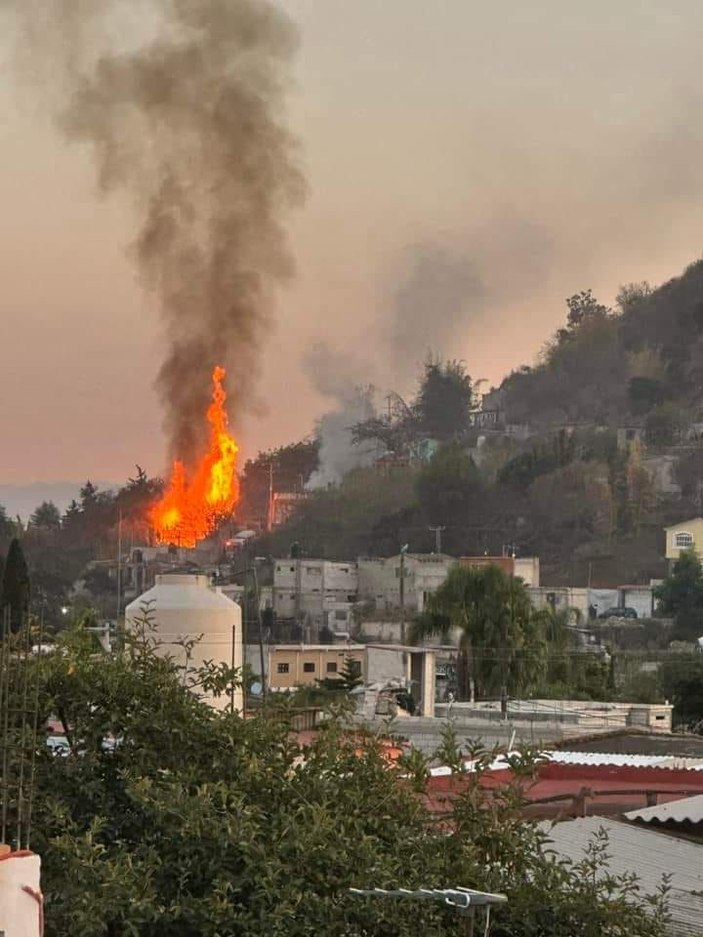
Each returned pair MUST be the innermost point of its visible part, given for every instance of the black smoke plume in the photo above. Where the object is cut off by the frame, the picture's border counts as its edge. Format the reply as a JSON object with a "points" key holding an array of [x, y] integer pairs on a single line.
{"points": [[182, 104]]}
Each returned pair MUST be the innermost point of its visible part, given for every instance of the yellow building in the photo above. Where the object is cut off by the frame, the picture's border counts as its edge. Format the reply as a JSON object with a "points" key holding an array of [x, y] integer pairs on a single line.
{"points": [[688, 535], [292, 665]]}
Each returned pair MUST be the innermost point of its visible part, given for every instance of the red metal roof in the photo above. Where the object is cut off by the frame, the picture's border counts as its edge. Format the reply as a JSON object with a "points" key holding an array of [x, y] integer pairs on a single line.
{"points": [[572, 790]]}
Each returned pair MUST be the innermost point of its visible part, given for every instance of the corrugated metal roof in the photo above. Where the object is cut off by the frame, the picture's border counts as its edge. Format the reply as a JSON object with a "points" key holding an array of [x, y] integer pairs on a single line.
{"points": [[605, 758], [647, 854], [619, 760], [687, 810]]}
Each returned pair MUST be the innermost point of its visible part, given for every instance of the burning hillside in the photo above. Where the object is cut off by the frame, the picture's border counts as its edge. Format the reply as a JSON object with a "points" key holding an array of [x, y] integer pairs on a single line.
{"points": [[195, 501]]}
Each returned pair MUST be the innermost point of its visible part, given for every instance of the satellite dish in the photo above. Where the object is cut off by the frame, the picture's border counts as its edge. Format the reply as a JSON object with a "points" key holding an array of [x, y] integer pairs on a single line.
{"points": [[256, 689]]}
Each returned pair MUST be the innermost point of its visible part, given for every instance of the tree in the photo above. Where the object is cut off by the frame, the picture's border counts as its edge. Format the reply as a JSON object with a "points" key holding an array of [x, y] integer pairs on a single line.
{"points": [[447, 484], [584, 308], [195, 823], [46, 516], [500, 637], [681, 595], [14, 597], [444, 400], [7, 527], [681, 682]]}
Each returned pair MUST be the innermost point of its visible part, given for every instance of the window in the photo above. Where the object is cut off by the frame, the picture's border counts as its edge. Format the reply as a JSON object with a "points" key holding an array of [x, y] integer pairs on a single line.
{"points": [[331, 666], [308, 667], [340, 614], [354, 667], [283, 668], [683, 540]]}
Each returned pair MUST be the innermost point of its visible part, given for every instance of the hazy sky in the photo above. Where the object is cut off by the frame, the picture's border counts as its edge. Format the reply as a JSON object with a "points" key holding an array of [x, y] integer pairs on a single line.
{"points": [[550, 147]]}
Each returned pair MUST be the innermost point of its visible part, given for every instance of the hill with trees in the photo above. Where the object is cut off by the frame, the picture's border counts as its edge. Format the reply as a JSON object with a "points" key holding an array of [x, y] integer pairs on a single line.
{"points": [[565, 461]]}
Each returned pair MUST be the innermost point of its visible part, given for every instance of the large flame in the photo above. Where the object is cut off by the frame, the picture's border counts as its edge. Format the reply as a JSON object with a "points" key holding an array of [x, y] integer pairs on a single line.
{"points": [[191, 507]]}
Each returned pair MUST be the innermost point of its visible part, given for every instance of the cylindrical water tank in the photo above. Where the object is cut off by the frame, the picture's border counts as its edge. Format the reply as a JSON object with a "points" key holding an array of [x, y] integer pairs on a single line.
{"points": [[183, 607]]}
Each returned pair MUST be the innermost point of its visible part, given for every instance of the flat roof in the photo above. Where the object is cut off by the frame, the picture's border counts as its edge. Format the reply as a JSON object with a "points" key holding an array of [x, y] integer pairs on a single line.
{"points": [[317, 647]]}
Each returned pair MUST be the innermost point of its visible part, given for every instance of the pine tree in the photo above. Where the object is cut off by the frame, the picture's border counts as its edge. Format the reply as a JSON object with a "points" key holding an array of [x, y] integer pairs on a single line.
{"points": [[14, 595]]}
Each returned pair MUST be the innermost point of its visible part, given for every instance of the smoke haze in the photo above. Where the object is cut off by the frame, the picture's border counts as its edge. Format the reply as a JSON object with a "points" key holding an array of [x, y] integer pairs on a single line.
{"points": [[188, 124], [546, 147]]}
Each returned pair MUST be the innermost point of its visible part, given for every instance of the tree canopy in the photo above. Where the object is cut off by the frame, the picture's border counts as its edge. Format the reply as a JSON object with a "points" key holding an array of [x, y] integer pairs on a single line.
{"points": [[681, 595], [14, 594], [192, 823], [500, 636]]}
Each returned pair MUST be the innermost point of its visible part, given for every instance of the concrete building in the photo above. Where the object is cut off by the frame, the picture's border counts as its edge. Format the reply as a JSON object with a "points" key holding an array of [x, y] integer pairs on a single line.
{"points": [[586, 714], [521, 567], [560, 598], [379, 580], [687, 535], [316, 593], [294, 665]]}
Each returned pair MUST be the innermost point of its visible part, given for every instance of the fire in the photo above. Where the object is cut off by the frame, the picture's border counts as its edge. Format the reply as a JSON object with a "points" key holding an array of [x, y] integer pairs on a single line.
{"points": [[191, 507]]}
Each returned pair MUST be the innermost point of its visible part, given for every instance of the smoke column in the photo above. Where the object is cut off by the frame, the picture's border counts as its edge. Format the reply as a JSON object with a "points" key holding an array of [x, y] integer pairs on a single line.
{"points": [[187, 121], [343, 378]]}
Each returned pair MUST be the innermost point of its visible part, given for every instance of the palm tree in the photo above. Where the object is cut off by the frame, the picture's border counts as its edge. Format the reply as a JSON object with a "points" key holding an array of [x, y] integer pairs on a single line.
{"points": [[499, 635]]}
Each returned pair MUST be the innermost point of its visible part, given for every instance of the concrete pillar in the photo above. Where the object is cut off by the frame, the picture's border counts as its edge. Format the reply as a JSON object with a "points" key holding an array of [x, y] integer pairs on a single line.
{"points": [[428, 683], [21, 903]]}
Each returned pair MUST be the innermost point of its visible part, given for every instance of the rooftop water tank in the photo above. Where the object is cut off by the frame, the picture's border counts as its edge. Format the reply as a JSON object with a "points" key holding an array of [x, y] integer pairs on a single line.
{"points": [[184, 606]]}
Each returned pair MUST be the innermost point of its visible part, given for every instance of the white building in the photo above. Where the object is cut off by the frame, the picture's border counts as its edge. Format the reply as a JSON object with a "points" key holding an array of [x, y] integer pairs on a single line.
{"points": [[560, 598], [319, 592], [424, 573]]}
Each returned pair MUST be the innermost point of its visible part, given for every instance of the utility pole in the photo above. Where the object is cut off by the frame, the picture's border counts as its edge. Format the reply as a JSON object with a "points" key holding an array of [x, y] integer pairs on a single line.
{"points": [[403, 551], [257, 597], [119, 569], [437, 531], [269, 509]]}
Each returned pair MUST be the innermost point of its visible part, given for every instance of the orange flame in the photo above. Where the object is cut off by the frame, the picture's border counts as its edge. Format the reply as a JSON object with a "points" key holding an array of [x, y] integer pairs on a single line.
{"points": [[191, 508]]}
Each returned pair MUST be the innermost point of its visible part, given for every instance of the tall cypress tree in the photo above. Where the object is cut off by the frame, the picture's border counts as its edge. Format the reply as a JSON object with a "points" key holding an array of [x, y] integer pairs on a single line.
{"points": [[14, 595]]}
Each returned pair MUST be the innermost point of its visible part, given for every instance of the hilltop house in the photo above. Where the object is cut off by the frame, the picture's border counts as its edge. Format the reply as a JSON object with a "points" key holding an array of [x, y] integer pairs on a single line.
{"points": [[687, 535]]}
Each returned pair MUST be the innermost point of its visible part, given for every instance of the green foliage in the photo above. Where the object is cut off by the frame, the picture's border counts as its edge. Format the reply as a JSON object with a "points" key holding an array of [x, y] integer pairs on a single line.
{"points": [[444, 400], [7, 526], [447, 485], [14, 594], [46, 517], [354, 518], [289, 467], [644, 393], [681, 682], [520, 471], [663, 425], [681, 595], [197, 824], [500, 635], [583, 309]]}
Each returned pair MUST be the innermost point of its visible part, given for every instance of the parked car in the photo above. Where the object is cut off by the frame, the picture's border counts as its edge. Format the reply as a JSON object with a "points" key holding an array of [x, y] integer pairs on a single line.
{"points": [[624, 612]]}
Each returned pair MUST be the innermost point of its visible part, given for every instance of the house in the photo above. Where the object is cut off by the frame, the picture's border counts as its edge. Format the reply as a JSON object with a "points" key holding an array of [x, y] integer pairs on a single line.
{"points": [[294, 665], [423, 574], [521, 567], [318, 592], [686, 535], [560, 598]]}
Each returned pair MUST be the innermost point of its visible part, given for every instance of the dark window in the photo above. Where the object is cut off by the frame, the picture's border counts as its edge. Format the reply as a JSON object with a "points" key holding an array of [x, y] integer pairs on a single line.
{"points": [[308, 668], [283, 668], [331, 667], [354, 667]]}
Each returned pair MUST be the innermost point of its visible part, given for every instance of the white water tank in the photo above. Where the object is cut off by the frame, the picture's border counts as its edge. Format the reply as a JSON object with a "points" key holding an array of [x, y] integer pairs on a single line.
{"points": [[182, 607]]}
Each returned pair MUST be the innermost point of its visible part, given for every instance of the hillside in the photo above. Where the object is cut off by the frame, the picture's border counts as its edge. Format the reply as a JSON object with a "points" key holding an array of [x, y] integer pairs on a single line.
{"points": [[583, 457]]}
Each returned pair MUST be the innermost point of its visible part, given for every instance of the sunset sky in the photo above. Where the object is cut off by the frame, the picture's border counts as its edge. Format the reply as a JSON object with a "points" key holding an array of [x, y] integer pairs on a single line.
{"points": [[553, 146]]}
